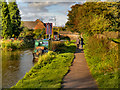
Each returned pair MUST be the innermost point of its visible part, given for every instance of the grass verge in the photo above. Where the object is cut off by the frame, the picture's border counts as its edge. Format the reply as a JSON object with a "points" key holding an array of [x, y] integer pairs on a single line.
{"points": [[103, 61], [49, 71]]}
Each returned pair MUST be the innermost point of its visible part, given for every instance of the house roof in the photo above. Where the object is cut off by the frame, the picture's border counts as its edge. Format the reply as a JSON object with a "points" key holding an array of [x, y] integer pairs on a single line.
{"points": [[34, 24], [40, 25]]}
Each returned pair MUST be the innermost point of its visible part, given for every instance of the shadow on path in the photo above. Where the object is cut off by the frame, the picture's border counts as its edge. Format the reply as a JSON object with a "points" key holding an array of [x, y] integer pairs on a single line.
{"points": [[79, 51]]}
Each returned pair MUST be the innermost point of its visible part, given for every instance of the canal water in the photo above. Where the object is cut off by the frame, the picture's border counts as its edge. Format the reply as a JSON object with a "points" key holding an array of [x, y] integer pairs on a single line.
{"points": [[15, 64]]}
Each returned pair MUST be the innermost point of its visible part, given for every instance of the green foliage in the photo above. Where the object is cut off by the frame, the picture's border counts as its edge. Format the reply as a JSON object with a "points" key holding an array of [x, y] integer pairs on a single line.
{"points": [[0, 18], [26, 32], [6, 22], [15, 18], [39, 33], [11, 20], [17, 44], [55, 45], [73, 41], [56, 29], [97, 26], [90, 17], [48, 72], [61, 29], [64, 38], [12, 45], [66, 48], [102, 60], [28, 42], [72, 22]]}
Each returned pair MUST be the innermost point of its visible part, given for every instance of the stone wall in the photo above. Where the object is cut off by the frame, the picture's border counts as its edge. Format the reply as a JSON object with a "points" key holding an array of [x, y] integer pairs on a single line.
{"points": [[71, 35]]}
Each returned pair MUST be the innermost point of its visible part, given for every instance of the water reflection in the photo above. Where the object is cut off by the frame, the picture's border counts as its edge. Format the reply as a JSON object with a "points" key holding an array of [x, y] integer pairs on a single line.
{"points": [[14, 66]]}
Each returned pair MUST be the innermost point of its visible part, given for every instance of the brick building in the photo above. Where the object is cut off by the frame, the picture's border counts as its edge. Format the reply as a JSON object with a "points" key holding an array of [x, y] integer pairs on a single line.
{"points": [[34, 24]]}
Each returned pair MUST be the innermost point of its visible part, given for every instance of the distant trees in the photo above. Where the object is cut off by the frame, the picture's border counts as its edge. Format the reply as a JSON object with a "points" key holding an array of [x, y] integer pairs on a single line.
{"points": [[94, 17], [11, 20]]}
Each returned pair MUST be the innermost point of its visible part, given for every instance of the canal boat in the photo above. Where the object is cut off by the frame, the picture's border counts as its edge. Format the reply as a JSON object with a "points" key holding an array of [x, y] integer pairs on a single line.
{"points": [[41, 46]]}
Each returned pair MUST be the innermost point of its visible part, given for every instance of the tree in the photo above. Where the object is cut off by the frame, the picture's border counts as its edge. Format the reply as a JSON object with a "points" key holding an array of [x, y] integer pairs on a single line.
{"points": [[15, 18], [6, 22], [0, 18], [70, 25], [39, 33], [95, 17]]}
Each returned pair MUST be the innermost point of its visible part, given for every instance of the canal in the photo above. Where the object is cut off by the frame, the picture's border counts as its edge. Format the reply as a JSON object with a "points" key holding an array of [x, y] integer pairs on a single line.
{"points": [[15, 64]]}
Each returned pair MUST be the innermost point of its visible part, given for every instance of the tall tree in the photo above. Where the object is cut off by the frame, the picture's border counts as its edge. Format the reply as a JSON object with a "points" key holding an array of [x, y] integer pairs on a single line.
{"points": [[6, 23], [70, 25], [15, 18]]}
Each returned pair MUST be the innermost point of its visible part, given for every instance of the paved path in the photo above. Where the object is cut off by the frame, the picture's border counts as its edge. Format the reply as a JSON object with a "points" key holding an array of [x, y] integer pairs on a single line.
{"points": [[79, 75]]}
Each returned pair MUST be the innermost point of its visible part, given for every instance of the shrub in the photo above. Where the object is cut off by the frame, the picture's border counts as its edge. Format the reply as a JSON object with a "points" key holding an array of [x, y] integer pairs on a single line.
{"points": [[73, 41], [65, 38], [17, 44], [56, 44]]}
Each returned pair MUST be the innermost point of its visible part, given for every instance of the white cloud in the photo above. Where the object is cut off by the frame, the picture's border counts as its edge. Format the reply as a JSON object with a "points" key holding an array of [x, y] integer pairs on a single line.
{"points": [[32, 11], [41, 4]]}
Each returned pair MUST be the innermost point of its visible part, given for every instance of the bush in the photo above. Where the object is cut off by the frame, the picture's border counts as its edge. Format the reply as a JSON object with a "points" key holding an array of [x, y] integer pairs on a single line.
{"points": [[65, 38], [73, 41], [53, 45], [26, 32], [10, 45], [17, 44], [67, 48]]}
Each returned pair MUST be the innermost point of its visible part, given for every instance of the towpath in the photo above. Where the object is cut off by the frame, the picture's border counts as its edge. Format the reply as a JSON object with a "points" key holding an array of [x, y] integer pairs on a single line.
{"points": [[79, 75]]}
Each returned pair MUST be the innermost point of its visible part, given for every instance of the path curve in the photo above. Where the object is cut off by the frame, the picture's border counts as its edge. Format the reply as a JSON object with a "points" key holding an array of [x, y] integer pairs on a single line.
{"points": [[79, 75]]}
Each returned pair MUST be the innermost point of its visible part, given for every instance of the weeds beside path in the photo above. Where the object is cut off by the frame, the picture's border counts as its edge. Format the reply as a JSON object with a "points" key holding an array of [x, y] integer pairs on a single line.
{"points": [[79, 75]]}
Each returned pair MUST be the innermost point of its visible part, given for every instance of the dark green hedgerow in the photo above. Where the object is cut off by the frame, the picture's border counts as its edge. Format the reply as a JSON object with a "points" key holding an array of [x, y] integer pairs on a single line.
{"points": [[102, 58], [48, 72]]}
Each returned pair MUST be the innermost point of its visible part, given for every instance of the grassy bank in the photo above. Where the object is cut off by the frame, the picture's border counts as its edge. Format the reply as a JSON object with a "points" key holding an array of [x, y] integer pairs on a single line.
{"points": [[50, 69], [102, 58]]}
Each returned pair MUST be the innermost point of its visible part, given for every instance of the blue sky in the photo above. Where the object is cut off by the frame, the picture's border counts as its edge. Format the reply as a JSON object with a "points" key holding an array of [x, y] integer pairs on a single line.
{"points": [[30, 11]]}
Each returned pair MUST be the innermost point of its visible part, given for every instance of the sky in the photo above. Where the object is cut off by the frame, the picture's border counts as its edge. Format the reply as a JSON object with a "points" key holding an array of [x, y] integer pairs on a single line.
{"points": [[52, 12]]}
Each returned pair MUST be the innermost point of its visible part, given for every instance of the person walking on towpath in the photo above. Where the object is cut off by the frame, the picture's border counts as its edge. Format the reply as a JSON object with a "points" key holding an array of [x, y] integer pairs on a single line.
{"points": [[81, 41], [78, 42]]}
